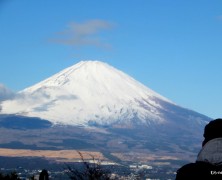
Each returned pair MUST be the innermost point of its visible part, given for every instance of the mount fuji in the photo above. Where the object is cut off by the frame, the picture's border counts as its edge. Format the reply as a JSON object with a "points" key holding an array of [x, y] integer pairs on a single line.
{"points": [[92, 93], [93, 106]]}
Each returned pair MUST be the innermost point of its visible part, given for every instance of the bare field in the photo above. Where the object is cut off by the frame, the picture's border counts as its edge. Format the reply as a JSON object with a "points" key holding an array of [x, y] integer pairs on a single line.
{"points": [[141, 157], [58, 155]]}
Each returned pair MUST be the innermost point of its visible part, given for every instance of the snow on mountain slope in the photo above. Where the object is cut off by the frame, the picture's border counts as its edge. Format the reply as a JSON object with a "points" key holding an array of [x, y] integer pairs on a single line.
{"points": [[90, 91]]}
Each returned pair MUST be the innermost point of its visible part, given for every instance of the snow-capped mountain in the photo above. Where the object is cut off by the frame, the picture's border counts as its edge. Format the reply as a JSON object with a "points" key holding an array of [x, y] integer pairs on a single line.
{"points": [[94, 106], [91, 92]]}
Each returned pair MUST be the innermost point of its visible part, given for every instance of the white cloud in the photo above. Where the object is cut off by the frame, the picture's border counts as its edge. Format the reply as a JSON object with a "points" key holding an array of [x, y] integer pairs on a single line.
{"points": [[84, 34]]}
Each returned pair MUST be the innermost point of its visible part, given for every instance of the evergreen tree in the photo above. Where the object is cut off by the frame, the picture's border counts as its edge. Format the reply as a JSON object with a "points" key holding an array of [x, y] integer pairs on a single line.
{"points": [[11, 176], [44, 175]]}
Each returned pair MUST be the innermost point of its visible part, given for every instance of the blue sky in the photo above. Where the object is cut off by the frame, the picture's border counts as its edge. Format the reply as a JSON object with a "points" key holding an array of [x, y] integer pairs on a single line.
{"points": [[174, 47]]}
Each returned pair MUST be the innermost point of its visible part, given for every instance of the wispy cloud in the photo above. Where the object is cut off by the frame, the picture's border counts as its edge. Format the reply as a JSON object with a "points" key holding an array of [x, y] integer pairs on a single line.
{"points": [[219, 17], [5, 93], [84, 34]]}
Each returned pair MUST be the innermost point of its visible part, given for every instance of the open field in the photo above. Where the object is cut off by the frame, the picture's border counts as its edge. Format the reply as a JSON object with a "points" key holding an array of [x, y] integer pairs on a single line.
{"points": [[58, 155]]}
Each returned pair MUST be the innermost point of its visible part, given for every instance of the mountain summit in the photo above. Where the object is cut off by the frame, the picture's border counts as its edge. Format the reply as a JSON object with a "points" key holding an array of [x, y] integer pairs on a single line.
{"points": [[93, 93]]}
